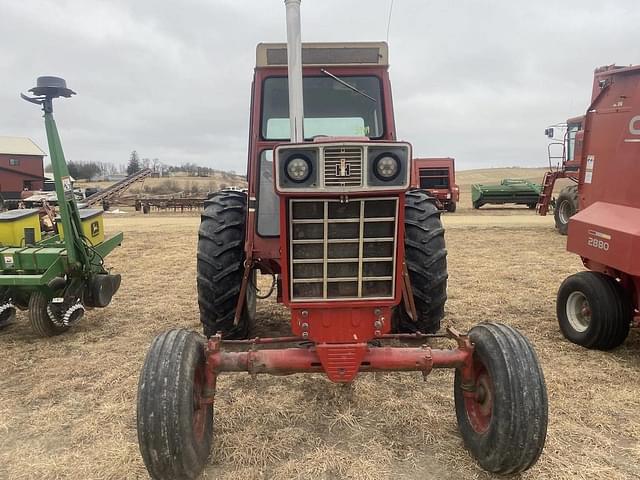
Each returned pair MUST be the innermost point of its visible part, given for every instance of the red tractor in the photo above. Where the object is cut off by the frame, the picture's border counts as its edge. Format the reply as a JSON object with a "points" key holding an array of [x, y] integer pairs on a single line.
{"points": [[437, 176], [356, 253], [566, 205], [596, 308]]}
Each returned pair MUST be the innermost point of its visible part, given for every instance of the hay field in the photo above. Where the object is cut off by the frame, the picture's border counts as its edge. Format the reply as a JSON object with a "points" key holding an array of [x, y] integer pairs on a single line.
{"points": [[67, 404]]}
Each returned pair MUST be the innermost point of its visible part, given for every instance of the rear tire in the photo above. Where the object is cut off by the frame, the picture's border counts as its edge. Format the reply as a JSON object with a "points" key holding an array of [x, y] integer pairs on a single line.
{"points": [[41, 323], [504, 424], [451, 207], [426, 259], [593, 310], [477, 205], [566, 207], [220, 266], [175, 429]]}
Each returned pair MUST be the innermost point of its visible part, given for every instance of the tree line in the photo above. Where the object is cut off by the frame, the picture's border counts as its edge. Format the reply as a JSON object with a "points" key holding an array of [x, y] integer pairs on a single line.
{"points": [[93, 170]]}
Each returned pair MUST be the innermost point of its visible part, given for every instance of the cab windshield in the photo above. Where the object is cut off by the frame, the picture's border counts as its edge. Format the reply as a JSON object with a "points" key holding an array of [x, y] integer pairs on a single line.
{"points": [[330, 107], [572, 129]]}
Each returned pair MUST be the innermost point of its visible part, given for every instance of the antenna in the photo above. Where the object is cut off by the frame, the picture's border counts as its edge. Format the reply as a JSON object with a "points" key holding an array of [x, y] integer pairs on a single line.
{"points": [[389, 20]]}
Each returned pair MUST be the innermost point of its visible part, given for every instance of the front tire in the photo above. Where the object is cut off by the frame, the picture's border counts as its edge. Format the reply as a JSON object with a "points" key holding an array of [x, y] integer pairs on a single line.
{"points": [[451, 207], [593, 311], [504, 421], [426, 260], [566, 207], [175, 428], [39, 318], [220, 266]]}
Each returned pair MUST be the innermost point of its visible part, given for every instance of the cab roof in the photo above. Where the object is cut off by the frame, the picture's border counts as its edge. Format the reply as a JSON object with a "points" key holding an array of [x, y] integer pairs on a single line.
{"points": [[322, 54]]}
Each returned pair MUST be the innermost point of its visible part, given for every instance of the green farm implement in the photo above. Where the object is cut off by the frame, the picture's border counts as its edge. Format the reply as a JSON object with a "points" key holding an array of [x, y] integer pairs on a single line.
{"points": [[509, 190], [55, 275]]}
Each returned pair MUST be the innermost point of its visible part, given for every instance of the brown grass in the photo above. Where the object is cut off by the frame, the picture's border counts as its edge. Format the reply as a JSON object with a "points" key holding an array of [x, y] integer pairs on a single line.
{"points": [[67, 404]]}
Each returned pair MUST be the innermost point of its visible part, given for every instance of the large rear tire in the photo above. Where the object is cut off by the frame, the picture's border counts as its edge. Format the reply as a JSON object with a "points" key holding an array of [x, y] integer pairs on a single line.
{"points": [[175, 427], [566, 207], [39, 318], [594, 311], [426, 260], [504, 422], [220, 266]]}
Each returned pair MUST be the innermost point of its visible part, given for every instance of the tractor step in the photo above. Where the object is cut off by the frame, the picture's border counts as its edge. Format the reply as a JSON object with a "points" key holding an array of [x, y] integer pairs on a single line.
{"points": [[548, 182]]}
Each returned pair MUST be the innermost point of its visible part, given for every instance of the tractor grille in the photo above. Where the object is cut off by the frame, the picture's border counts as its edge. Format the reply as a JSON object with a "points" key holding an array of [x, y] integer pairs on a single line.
{"points": [[342, 251], [343, 166]]}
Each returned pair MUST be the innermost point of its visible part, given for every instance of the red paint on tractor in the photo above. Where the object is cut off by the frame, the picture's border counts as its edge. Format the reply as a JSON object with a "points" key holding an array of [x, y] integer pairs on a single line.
{"points": [[341, 324], [341, 362]]}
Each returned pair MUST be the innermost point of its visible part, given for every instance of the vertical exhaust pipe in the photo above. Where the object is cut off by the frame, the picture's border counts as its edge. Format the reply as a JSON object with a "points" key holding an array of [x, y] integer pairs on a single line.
{"points": [[294, 63]]}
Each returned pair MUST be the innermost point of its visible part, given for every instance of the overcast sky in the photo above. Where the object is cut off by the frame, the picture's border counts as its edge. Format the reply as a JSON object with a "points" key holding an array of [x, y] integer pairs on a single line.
{"points": [[478, 80]]}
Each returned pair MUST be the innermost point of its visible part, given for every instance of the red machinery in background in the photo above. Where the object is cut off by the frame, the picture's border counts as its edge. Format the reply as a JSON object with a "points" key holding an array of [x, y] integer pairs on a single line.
{"points": [[438, 177], [566, 205], [596, 308]]}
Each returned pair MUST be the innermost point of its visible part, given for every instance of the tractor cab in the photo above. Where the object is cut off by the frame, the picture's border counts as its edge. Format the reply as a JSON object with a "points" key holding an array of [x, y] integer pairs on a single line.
{"points": [[347, 95], [565, 157], [562, 147], [329, 205]]}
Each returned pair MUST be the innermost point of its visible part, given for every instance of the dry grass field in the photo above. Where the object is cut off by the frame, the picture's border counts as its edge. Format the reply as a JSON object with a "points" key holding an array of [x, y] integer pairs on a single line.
{"points": [[67, 404]]}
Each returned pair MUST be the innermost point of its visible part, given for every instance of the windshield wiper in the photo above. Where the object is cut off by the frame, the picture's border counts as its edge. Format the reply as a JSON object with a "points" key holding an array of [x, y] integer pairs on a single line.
{"points": [[339, 80]]}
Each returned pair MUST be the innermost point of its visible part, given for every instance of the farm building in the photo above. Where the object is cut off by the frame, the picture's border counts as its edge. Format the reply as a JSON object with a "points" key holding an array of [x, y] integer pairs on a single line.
{"points": [[21, 166]]}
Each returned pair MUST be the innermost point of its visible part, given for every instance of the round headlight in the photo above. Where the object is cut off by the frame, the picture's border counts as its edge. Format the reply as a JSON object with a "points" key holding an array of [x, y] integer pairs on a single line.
{"points": [[386, 166], [298, 168]]}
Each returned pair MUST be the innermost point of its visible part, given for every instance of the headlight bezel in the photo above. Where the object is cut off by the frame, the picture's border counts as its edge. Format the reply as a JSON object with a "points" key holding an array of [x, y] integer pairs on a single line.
{"points": [[401, 152]]}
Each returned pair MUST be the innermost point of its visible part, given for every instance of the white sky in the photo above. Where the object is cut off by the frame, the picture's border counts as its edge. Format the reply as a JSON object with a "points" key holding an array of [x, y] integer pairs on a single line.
{"points": [[475, 79]]}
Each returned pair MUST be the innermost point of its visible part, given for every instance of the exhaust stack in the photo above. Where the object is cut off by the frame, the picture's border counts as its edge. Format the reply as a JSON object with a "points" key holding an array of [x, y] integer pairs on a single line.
{"points": [[294, 62]]}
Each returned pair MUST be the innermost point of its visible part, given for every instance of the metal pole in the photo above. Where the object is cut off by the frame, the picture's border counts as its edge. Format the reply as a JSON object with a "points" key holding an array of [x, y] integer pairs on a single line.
{"points": [[64, 189], [294, 62]]}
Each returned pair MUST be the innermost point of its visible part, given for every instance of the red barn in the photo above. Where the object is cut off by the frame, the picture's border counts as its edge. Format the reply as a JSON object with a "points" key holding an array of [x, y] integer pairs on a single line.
{"points": [[21, 166]]}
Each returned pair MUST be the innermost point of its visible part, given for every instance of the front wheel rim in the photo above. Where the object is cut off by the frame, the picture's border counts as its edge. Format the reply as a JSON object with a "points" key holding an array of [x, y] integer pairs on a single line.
{"points": [[578, 311], [564, 212], [199, 404], [479, 406]]}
